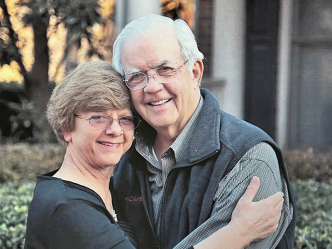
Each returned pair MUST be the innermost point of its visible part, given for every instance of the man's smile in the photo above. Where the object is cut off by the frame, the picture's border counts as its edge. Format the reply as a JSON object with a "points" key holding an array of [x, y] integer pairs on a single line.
{"points": [[159, 102]]}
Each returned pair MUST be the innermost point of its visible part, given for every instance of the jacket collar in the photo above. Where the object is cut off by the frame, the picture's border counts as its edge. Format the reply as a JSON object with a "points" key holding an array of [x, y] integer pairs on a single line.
{"points": [[205, 138]]}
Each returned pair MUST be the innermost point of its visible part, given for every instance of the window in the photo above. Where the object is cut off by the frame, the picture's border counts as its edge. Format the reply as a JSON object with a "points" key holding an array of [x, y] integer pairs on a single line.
{"points": [[311, 77]]}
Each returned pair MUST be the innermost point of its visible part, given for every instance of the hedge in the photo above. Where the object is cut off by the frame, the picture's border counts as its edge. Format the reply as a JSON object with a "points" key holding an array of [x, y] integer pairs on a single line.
{"points": [[309, 163], [23, 162], [309, 170], [313, 230], [314, 221], [15, 199]]}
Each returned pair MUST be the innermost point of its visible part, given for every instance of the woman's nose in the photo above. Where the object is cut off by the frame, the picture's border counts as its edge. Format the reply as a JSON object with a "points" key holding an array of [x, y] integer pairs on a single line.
{"points": [[114, 127]]}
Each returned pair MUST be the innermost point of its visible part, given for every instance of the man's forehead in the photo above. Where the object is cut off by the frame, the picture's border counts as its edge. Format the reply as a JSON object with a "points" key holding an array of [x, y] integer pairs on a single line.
{"points": [[153, 37], [149, 50]]}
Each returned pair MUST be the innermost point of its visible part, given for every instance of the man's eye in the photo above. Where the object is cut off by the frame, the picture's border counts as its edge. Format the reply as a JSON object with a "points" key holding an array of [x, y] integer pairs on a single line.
{"points": [[165, 71], [137, 77]]}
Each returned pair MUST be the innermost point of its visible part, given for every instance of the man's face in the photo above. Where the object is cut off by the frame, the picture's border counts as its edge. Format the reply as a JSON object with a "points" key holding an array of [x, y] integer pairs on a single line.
{"points": [[166, 107]]}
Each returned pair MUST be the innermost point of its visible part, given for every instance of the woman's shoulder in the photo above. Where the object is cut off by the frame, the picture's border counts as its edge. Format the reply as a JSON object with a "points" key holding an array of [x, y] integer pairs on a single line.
{"points": [[71, 216], [56, 191]]}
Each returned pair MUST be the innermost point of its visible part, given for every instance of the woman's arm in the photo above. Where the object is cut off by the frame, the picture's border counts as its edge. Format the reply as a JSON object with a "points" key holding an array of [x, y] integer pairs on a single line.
{"points": [[247, 223]]}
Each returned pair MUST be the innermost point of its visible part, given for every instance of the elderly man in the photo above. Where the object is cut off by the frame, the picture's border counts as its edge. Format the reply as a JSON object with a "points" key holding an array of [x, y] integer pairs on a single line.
{"points": [[190, 162]]}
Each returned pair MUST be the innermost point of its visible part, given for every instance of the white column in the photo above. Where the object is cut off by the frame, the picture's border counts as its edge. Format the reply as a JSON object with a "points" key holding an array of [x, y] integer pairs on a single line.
{"points": [[284, 65], [128, 10], [229, 54]]}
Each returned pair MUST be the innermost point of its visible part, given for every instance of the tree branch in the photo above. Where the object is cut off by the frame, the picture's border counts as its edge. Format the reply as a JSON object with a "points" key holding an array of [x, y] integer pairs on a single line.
{"points": [[13, 38]]}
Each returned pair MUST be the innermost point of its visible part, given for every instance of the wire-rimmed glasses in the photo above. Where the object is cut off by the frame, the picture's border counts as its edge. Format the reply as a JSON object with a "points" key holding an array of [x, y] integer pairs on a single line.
{"points": [[103, 121], [139, 80]]}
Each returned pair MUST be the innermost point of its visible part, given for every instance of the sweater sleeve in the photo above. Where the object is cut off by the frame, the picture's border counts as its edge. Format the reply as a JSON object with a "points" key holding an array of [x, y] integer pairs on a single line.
{"points": [[259, 161], [81, 224]]}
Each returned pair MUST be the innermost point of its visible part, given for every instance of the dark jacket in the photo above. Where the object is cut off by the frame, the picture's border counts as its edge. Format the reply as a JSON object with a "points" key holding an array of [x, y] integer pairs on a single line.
{"points": [[218, 142]]}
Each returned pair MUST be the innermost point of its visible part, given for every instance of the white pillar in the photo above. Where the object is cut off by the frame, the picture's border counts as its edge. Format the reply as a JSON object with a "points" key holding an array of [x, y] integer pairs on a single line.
{"points": [[128, 10], [284, 65], [229, 54]]}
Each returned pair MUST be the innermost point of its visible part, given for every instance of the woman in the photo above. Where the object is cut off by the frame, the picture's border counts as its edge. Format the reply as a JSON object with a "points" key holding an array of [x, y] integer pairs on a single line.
{"points": [[90, 112]]}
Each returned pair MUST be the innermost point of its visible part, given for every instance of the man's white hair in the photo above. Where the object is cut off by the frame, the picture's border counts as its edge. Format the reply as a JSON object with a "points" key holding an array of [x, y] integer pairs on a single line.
{"points": [[188, 45]]}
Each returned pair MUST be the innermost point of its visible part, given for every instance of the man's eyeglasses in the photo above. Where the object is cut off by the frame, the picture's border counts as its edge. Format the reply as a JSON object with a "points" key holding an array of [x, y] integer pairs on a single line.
{"points": [[139, 80], [102, 121]]}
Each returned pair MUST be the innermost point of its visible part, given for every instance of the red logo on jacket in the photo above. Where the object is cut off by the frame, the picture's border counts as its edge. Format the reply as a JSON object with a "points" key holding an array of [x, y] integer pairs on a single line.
{"points": [[134, 198]]}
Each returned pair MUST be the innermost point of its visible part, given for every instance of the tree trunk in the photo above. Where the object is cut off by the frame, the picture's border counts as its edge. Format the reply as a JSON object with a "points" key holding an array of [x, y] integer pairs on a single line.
{"points": [[72, 54], [36, 82]]}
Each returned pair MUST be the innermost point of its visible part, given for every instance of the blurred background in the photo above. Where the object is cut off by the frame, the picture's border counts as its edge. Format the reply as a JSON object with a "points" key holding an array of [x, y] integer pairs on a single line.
{"points": [[267, 61]]}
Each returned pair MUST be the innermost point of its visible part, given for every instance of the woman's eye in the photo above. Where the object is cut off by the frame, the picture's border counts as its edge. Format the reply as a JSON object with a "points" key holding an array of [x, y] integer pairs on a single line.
{"points": [[97, 118], [127, 120]]}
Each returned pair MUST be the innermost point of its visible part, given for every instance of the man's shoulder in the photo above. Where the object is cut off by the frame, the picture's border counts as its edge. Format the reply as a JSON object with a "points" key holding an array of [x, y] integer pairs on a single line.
{"points": [[235, 130], [229, 124]]}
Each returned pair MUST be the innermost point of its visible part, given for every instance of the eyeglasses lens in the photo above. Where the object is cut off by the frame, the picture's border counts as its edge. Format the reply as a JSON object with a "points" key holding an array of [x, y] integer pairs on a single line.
{"points": [[126, 123]]}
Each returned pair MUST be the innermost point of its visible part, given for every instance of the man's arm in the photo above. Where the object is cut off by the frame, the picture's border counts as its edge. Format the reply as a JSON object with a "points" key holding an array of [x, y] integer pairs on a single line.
{"points": [[260, 161], [247, 224]]}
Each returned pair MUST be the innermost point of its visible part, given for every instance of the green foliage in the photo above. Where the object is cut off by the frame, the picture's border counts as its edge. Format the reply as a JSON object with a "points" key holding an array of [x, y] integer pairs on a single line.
{"points": [[15, 200], [77, 16], [18, 114], [314, 221], [23, 162]]}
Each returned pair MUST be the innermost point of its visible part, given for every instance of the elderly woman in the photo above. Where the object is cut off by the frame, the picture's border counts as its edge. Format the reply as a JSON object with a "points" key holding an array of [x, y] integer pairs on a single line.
{"points": [[90, 112]]}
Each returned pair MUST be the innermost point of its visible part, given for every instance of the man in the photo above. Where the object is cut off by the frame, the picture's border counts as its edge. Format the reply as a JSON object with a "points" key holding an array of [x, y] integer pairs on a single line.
{"points": [[191, 162]]}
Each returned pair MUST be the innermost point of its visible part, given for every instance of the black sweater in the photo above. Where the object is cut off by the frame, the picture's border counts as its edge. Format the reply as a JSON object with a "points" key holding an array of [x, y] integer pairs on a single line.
{"points": [[64, 215]]}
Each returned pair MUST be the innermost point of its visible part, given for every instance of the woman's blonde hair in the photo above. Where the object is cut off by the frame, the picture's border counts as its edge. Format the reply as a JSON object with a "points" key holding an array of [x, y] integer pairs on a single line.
{"points": [[92, 86]]}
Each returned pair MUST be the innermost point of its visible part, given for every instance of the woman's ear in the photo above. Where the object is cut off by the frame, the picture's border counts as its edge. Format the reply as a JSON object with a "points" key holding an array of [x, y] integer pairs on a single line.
{"points": [[197, 71], [67, 136]]}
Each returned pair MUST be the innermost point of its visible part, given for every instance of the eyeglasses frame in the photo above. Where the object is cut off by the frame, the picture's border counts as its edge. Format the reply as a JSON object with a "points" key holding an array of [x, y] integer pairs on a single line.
{"points": [[147, 77], [111, 120]]}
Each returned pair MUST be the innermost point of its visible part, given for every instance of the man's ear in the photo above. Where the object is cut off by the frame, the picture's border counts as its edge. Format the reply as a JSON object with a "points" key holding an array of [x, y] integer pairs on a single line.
{"points": [[197, 71]]}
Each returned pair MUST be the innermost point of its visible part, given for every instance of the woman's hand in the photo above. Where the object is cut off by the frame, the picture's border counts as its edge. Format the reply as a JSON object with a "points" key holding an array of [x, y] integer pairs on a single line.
{"points": [[257, 220]]}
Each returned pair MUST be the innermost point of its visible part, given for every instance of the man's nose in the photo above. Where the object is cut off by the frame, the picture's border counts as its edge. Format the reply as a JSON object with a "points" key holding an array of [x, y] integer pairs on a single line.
{"points": [[154, 85]]}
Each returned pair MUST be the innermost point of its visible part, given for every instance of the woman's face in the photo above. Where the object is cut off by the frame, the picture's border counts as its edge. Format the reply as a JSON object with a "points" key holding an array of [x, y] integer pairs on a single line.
{"points": [[99, 145]]}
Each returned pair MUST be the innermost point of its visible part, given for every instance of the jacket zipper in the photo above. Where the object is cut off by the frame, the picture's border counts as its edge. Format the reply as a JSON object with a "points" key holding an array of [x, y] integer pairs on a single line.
{"points": [[161, 209], [148, 216]]}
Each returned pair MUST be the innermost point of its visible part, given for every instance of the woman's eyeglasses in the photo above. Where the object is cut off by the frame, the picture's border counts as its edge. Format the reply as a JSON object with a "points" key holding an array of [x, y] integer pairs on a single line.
{"points": [[103, 121]]}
